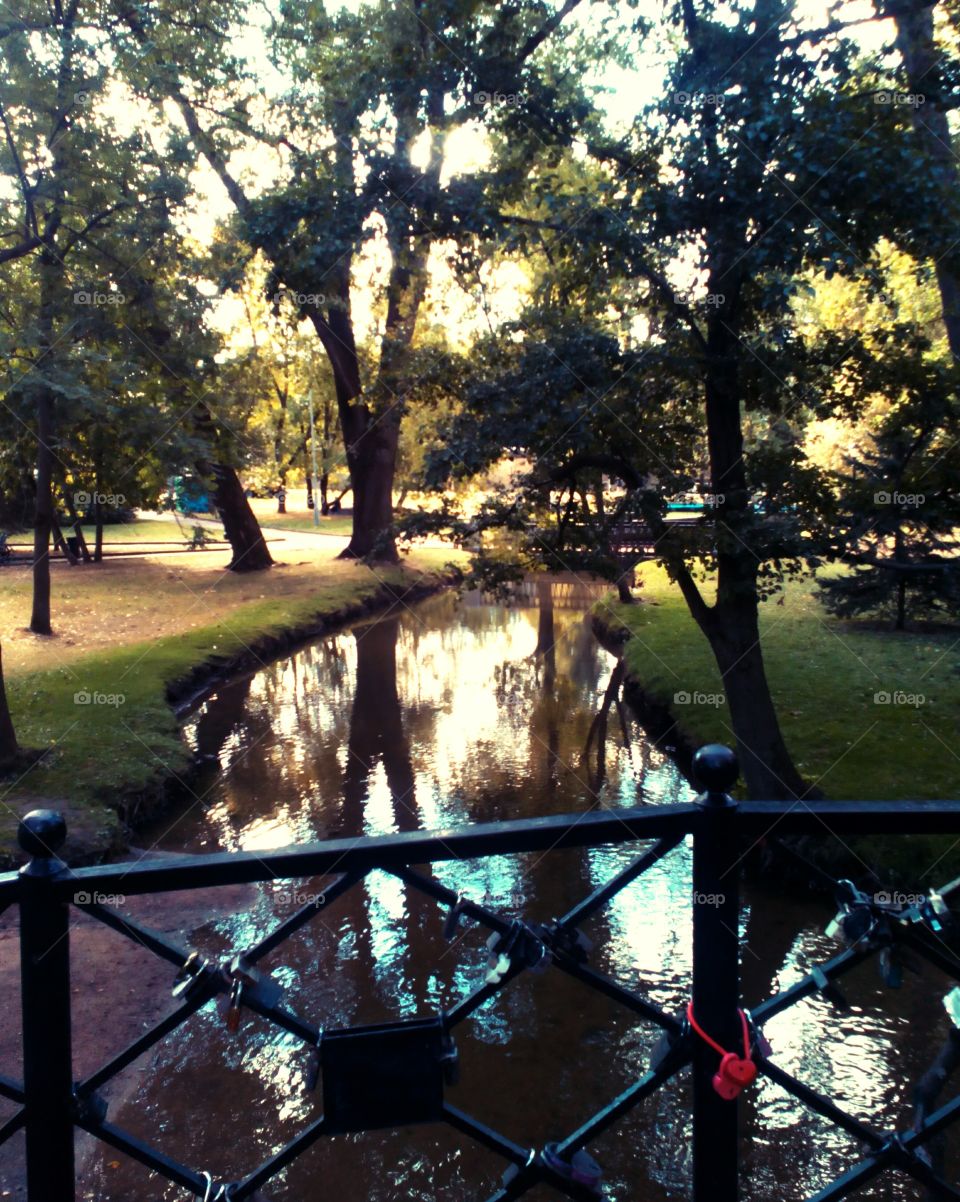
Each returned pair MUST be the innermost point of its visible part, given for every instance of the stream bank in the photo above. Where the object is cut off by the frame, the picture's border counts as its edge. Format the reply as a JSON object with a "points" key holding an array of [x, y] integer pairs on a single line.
{"points": [[112, 770], [650, 689]]}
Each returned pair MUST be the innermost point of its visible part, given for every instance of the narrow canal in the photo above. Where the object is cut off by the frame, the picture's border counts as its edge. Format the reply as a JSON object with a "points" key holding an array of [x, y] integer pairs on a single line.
{"points": [[458, 711]]}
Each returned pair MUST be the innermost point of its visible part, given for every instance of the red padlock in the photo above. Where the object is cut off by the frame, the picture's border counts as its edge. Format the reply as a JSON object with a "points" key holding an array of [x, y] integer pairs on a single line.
{"points": [[734, 1074]]}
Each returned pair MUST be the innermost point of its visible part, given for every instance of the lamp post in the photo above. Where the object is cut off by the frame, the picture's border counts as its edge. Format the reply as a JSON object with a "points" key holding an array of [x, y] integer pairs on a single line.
{"points": [[313, 457]]}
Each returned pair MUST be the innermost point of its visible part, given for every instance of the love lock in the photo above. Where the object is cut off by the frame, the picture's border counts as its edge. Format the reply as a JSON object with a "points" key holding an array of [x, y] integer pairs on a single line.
{"points": [[192, 974], [386, 1075], [734, 1074], [248, 985]]}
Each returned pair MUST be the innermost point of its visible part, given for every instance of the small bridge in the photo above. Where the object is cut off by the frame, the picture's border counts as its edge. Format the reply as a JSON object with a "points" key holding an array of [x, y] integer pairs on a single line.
{"points": [[397, 1074]]}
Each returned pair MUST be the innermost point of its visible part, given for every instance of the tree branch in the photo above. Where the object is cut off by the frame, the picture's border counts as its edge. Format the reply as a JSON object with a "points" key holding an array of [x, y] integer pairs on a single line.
{"points": [[21, 249], [537, 39], [30, 213]]}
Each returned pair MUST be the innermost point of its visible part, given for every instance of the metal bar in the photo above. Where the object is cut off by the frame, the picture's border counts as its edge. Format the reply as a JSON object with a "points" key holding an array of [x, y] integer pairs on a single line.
{"points": [[716, 996], [617, 993], [861, 1174], [807, 986], [649, 1083], [279, 1161], [536, 1172], [948, 1114], [286, 1019], [851, 817], [153, 941], [866, 1170], [529, 834], [599, 897], [11, 1089], [45, 999], [145, 1041], [486, 1135], [388, 851], [821, 1104], [433, 888], [924, 946], [926, 1176], [521, 835], [12, 1125], [853, 1179], [473, 1001], [144, 1154], [301, 917]]}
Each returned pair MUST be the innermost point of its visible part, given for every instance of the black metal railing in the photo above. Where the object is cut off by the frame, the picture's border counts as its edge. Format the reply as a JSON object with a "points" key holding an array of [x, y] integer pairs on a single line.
{"points": [[395, 1074]]}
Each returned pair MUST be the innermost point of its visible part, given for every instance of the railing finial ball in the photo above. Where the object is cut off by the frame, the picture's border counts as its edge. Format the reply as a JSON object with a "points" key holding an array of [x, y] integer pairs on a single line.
{"points": [[715, 768], [42, 833]]}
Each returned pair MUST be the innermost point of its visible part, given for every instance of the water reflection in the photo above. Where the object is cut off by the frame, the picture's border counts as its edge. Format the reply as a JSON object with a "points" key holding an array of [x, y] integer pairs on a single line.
{"points": [[465, 711]]}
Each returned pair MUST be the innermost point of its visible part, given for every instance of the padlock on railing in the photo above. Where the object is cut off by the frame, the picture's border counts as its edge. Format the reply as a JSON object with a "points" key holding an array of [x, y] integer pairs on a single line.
{"points": [[386, 1075], [735, 1072], [734, 1075], [191, 975], [580, 1167], [247, 985], [518, 946], [855, 917], [452, 920]]}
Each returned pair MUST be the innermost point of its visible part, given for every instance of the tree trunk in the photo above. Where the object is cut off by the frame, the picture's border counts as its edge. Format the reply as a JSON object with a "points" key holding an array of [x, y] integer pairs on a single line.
{"points": [[98, 518], [250, 553], [51, 270], [9, 749], [76, 521], [765, 762], [43, 517], [922, 62], [371, 457], [900, 557], [732, 625], [240, 524], [370, 440]]}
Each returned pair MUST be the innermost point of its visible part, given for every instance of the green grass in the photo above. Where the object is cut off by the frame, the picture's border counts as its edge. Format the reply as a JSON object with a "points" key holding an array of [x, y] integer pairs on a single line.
{"points": [[340, 524], [824, 675], [126, 742], [141, 530]]}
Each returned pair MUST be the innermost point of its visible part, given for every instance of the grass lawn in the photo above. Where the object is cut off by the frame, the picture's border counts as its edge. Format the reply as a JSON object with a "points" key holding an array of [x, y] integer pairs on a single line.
{"points": [[94, 695], [142, 530], [340, 524], [828, 679]]}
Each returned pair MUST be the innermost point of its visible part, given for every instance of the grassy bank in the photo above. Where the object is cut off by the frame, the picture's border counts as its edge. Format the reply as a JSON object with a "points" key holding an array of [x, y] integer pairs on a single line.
{"points": [[866, 712], [97, 697], [143, 530], [339, 524]]}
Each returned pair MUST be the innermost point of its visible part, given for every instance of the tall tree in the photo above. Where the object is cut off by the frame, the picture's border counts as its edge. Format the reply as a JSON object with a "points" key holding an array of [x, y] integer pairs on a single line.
{"points": [[361, 137], [927, 67], [728, 189]]}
